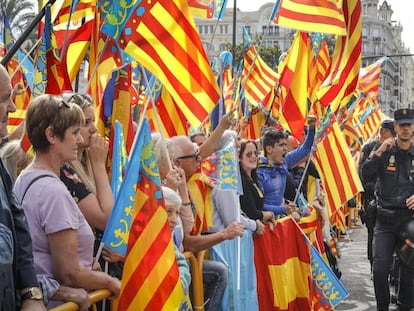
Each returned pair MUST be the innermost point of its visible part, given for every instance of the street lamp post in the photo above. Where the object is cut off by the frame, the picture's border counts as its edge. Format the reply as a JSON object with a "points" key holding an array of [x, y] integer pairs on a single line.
{"points": [[234, 32]]}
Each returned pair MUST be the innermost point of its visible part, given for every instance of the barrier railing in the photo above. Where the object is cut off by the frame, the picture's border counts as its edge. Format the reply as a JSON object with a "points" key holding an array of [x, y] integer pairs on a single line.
{"points": [[196, 265], [93, 296]]}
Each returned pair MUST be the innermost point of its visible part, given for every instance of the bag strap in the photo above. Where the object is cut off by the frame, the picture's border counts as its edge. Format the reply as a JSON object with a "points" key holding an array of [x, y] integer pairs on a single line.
{"points": [[32, 182]]}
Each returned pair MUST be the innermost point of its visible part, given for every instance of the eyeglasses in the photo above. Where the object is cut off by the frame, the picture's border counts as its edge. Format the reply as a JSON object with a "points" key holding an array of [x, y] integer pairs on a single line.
{"points": [[195, 155], [250, 153]]}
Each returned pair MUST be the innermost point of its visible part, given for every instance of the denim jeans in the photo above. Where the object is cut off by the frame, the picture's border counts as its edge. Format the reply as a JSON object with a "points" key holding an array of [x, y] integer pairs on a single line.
{"points": [[386, 232], [215, 276]]}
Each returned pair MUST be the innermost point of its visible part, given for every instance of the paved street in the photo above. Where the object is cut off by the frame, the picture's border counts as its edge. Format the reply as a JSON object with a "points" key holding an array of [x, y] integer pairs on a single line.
{"points": [[356, 271]]}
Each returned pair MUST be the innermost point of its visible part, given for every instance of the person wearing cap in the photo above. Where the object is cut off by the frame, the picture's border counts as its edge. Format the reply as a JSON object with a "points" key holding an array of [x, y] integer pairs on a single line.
{"points": [[368, 197], [393, 164]]}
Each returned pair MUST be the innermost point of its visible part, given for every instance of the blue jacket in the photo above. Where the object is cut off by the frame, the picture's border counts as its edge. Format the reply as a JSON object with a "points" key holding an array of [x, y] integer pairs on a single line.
{"points": [[272, 177]]}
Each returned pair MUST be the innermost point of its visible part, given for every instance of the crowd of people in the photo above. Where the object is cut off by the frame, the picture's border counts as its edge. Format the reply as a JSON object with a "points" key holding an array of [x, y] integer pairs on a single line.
{"points": [[56, 204]]}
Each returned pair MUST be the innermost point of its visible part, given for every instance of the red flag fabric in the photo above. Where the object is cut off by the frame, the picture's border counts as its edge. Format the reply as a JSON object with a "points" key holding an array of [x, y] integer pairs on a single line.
{"points": [[294, 85], [282, 261], [161, 35], [341, 83]]}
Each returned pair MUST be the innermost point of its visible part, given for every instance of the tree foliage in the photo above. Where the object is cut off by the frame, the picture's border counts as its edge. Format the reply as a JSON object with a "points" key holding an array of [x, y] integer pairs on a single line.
{"points": [[269, 54], [20, 13]]}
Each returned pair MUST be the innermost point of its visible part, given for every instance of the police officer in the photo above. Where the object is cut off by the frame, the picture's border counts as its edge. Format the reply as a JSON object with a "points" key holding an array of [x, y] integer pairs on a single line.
{"points": [[393, 164], [368, 198]]}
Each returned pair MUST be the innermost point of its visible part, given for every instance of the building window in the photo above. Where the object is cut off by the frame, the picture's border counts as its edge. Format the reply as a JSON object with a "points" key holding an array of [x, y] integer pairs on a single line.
{"points": [[200, 30], [206, 29], [277, 30], [270, 30], [211, 29], [222, 47], [264, 30]]}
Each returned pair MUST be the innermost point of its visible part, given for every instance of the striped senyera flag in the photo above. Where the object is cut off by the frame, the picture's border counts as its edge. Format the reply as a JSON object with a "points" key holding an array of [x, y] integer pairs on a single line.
{"points": [[202, 195], [340, 84], [334, 163], [294, 71], [161, 35], [368, 81], [151, 279], [323, 16], [172, 120], [258, 78]]}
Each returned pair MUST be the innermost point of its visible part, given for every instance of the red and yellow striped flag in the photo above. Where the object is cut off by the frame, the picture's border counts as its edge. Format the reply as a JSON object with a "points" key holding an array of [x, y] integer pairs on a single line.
{"points": [[258, 78], [334, 163], [310, 15], [321, 64], [151, 279], [173, 122], [368, 81], [161, 35], [294, 85], [256, 120], [202, 195], [341, 82]]}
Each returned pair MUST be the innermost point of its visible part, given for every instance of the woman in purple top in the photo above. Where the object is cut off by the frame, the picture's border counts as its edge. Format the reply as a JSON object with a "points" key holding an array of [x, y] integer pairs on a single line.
{"points": [[62, 239]]}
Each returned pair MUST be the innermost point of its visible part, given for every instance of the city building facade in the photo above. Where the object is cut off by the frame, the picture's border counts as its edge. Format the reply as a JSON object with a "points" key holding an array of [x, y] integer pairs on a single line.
{"points": [[381, 36]]}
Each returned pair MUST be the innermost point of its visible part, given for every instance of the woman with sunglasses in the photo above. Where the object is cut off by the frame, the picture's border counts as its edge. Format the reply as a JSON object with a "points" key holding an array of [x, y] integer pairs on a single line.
{"points": [[61, 237], [251, 201]]}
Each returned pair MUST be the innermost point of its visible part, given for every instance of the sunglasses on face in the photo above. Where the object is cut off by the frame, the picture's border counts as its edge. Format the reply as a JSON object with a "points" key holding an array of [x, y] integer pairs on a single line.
{"points": [[195, 155], [250, 153]]}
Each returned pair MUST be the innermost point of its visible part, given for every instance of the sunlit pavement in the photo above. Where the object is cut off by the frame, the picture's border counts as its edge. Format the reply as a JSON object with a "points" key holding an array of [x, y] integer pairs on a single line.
{"points": [[356, 271]]}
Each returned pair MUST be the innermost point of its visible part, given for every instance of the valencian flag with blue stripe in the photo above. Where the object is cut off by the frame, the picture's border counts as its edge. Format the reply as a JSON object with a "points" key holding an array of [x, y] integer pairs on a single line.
{"points": [[222, 168], [24, 75], [119, 159], [116, 233], [50, 76], [327, 287], [161, 35], [151, 279]]}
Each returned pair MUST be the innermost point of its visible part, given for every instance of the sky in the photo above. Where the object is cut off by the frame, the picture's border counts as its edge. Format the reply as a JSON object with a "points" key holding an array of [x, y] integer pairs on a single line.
{"points": [[403, 12]]}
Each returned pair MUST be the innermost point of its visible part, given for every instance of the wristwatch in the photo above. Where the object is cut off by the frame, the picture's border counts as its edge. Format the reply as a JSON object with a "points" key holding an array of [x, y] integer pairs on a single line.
{"points": [[34, 293]]}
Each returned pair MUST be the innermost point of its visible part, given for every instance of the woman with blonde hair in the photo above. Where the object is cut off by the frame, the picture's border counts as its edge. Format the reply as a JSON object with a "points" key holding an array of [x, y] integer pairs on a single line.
{"points": [[86, 177], [61, 237]]}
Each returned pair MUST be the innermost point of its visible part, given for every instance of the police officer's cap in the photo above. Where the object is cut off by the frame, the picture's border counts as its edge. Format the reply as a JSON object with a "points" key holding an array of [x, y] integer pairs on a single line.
{"points": [[405, 248], [404, 116], [388, 124]]}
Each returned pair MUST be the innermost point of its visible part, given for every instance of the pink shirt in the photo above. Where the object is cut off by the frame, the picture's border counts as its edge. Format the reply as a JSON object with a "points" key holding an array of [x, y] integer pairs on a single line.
{"points": [[49, 208]]}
